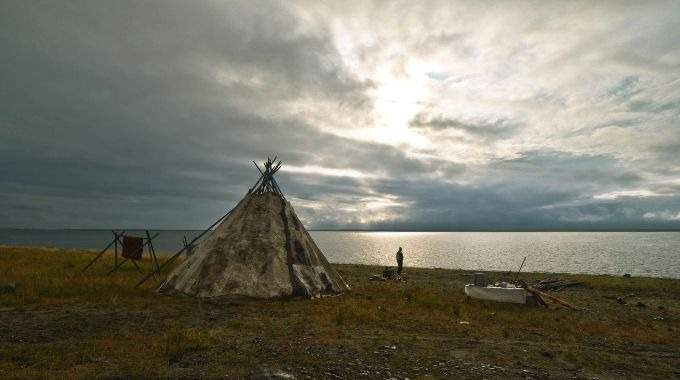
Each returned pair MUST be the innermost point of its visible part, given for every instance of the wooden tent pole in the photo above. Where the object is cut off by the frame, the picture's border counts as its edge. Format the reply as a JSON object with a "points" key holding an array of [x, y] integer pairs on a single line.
{"points": [[267, 176], [137, 266], [258, 180], [115, 250], [258, 168], [152, 251], [118, 266], [276, 184]]}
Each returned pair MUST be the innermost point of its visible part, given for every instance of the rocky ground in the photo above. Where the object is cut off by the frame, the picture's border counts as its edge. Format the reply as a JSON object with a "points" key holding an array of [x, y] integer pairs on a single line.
{"points": [[58, 323]]}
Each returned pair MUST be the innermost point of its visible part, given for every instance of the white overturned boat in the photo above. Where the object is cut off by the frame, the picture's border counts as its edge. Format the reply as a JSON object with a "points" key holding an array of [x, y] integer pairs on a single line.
{"points": [[507, 293]]}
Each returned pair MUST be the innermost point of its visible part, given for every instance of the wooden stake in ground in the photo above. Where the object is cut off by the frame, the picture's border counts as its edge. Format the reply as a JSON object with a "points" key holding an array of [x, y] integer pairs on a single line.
{"points": [[520, 268], [114, 242]]}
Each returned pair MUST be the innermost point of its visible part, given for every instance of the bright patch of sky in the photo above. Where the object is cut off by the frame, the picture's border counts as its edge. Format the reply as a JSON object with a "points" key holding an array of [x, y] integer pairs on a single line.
{"points": [[401, 114]]}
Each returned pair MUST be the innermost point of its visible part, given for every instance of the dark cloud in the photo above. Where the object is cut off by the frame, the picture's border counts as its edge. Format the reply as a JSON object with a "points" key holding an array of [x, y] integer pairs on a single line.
{"points": [[486, 129], [655, 106], [129, 114], [114, 103]]}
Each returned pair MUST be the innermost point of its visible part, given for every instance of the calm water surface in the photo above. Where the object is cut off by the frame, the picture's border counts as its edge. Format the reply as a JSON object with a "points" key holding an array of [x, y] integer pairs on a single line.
{"points": [[639, 253]]}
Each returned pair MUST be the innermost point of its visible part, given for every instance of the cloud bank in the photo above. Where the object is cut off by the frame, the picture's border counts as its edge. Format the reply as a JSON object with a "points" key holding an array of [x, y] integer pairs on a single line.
{"points": [[387, 115]]}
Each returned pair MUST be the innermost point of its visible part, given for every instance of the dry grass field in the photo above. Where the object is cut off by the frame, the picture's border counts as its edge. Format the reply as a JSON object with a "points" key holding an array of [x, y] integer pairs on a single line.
{"points": [[60, 323]]}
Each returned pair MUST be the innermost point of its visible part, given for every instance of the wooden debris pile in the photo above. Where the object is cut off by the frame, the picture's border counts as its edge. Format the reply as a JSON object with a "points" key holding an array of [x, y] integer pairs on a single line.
{"points": [[541, 296], [554, 284], [388, 275]]}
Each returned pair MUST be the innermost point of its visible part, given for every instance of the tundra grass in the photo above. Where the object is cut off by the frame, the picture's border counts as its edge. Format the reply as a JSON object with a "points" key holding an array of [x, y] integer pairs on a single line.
{"points": [[61, 322]]}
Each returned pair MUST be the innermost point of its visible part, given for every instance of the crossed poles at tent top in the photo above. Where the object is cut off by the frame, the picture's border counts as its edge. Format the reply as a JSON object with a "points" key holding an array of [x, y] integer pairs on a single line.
{"points": [[267, 182]]}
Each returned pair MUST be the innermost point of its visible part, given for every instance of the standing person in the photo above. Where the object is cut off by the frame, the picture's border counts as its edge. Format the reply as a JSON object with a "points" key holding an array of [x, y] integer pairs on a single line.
{"points": [[400, 261]]}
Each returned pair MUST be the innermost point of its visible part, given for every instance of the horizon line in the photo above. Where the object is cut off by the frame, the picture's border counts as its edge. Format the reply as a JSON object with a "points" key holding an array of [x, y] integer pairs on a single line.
{"points": [[642, 229]]}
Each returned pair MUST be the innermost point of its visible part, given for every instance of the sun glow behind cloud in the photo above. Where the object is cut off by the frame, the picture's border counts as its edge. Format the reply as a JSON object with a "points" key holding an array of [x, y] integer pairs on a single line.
{"points": [[627, 193], [438, 114], [332, 172]]}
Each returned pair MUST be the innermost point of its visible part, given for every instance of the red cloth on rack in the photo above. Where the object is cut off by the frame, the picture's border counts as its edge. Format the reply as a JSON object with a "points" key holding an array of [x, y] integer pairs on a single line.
{"points": [[133, 247]]}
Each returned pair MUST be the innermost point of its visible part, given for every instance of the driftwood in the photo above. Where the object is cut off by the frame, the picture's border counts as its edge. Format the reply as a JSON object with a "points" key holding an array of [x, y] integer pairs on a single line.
{"points": [[552, 298], [540, 296], [555, 284]]}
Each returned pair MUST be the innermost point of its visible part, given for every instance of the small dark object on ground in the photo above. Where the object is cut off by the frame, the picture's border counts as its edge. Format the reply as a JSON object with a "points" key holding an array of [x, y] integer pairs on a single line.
{"points": [[389, 273], [641, 305], [479, 279], [8, 288], [532, 301], [622, 300], [660, 307], [626, 275]]}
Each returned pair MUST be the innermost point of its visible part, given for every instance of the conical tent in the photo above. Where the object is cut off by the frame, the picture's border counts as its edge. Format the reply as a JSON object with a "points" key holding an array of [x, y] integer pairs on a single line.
{"points": [[260, 250]]}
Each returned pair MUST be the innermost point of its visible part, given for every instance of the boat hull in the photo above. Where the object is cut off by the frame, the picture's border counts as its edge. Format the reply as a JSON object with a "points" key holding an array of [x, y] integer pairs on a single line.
{"points": [[498, 294]]}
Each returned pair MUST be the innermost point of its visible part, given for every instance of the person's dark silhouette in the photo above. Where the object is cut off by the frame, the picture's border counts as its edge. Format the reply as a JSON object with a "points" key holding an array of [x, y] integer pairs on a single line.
{"points": [[400, 261]]}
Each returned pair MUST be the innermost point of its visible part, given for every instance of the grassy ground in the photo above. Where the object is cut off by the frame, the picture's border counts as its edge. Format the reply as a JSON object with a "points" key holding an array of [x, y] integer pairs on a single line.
{"points": [[61, 323]]}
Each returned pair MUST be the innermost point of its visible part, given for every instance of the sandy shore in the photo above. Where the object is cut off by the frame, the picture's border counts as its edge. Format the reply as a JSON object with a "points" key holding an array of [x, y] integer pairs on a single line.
{"points": [[56, 322]]}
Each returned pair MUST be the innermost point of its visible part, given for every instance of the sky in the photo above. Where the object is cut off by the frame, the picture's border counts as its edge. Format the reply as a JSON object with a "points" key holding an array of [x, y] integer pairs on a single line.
{"points": [[485, 115]]}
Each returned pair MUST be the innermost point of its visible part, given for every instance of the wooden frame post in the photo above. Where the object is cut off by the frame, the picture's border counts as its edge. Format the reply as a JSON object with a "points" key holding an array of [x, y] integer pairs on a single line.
{"points": [[134, 262], [114, 243]]}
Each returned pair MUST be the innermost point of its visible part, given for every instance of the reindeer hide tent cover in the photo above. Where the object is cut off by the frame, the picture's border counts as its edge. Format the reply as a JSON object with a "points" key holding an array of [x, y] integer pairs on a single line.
{"points": [[260, 250]]}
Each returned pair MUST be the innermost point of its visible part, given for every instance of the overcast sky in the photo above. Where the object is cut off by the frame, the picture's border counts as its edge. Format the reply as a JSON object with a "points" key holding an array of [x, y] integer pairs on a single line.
{"points": [[406, 115]]}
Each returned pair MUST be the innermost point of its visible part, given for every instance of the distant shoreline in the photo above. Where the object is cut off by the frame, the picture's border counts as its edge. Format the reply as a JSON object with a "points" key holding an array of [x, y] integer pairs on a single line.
{"points": [[363, 230]]}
